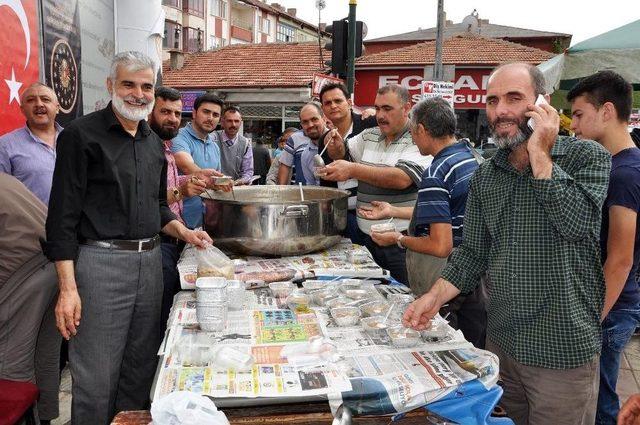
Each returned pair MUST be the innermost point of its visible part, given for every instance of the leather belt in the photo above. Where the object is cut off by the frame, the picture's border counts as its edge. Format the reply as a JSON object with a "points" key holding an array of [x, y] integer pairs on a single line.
{"points": [[138, 245]]}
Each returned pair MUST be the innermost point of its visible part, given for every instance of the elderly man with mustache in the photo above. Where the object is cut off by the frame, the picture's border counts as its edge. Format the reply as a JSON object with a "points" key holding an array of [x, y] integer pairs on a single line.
{"points": [[108, 203], [388, 166], [236, 155], [29, 153]]}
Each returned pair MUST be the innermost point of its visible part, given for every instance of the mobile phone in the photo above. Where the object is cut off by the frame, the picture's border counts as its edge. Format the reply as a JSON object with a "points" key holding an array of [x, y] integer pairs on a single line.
{"points": [[539, 101]]}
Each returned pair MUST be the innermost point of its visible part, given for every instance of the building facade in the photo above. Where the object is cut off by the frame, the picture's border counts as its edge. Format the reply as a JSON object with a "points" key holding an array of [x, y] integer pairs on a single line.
{"points": [[544, 40], [468, 60], [201, 25]]}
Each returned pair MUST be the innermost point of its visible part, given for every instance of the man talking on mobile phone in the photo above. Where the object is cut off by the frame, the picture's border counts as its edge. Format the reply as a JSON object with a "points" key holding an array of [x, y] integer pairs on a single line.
{"points": [[532, 222]]}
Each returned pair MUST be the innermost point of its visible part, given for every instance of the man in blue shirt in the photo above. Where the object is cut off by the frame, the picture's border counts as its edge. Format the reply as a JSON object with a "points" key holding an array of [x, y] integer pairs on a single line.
{"points": [[29, 153], [195, 150], [600, 107], [437, 218]]}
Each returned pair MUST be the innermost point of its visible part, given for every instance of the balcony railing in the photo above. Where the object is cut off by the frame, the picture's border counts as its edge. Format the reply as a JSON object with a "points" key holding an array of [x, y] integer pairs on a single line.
{"points": [[241, 23]]}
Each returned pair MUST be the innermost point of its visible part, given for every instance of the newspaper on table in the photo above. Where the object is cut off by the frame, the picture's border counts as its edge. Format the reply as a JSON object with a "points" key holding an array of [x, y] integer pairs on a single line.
{"points": [[399, 382], [335, 261], [365, 372]]}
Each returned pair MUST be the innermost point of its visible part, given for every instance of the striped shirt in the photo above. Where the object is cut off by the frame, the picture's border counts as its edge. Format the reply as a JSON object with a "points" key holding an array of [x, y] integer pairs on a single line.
{"points": [[296, 144], [442, 196], [370, 148]]}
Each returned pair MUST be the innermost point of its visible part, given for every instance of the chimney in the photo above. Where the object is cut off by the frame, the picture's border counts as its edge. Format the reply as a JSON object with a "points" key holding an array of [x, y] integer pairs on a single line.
{"points": [[448, 22], [484, 21], [176, 60], [277, 6], [292, 11]]}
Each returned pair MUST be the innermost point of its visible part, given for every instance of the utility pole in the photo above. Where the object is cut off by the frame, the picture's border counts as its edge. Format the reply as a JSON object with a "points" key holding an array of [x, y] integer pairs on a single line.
{"points": [[351, 47], [438, 69]]}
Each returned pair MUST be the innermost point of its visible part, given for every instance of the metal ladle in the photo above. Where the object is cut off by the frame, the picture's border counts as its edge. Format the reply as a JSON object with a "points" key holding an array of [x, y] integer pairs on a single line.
{"points": [[317, 158]]}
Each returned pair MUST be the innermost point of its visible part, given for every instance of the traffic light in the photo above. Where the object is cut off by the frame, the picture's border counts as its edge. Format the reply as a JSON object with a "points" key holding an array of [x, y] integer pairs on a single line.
{"points": [[338, 45]]}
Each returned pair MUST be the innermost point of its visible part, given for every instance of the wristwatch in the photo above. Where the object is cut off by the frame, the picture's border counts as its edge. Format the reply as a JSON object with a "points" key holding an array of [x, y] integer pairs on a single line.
{"points": [[399, 241], [177, 195]]}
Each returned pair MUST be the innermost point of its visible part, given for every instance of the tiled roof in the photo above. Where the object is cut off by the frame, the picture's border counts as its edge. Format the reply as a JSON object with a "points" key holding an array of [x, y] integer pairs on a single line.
{"points": [[485, 29], [461, 49], [248, 65]]}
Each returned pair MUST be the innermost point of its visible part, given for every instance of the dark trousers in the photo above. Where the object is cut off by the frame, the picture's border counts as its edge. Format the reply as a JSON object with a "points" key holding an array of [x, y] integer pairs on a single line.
{"points": [[170, 279], [391, 258], [113, 357], [352, 231], [29, 340], [468, 313]]}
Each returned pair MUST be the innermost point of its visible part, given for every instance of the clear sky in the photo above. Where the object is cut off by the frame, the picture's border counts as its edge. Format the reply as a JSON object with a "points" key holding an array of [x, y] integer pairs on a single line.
{"points": [[583, 19]]}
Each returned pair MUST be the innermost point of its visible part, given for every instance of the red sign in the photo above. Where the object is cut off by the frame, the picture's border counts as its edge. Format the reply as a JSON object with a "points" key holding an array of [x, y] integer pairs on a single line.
{"points": [[19, 61], [470, 85], [319, 81]]}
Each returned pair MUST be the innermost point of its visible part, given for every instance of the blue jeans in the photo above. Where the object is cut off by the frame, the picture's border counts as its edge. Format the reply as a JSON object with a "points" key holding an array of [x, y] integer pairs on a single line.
{"points": [[617, 329]]}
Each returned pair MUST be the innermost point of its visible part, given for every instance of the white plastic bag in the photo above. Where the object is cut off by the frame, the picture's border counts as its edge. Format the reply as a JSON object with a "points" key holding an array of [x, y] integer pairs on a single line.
{"points": [[186, 408], [214, 263]]}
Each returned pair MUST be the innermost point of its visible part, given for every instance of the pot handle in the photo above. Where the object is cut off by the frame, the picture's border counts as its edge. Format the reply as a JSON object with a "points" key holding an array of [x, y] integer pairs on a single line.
{"points": [[295, 211]]}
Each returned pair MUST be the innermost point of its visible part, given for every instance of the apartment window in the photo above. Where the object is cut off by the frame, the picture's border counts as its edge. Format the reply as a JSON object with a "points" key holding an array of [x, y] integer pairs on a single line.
{"points": [[264, 24], [173, 3], [286, 33], [172, 37], [194, 7], [218, 8], [193, 39]]}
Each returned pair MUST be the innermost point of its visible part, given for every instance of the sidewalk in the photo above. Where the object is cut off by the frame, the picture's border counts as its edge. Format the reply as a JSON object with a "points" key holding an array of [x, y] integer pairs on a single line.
{"points": [[628, 381]]}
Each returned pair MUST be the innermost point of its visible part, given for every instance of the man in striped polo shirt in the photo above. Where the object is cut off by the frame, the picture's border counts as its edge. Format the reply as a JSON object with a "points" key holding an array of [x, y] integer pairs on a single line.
{"points": [[388, 167], [437, 218]]}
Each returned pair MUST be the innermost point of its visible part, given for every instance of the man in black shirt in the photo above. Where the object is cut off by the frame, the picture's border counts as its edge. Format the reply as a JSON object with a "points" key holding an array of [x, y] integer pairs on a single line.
{"points": [[337, 108], [261, 161], [108, 202]]}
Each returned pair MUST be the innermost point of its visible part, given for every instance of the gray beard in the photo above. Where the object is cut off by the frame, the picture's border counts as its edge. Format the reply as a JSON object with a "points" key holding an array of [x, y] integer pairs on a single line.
{"points": [[511, 142]]}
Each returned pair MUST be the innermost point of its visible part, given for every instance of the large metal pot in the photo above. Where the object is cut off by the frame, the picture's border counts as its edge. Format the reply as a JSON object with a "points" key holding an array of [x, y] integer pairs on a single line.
{"points": [[273, 220]]}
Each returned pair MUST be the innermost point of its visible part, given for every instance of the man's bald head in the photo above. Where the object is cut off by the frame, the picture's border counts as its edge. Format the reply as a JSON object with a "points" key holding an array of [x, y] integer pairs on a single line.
{"points": [[39, 104]]}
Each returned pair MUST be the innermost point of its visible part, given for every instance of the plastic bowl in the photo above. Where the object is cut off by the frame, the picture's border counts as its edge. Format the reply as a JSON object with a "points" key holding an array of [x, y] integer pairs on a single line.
{"points": [[374, 308], [383, 227], [281, 289], [356, 294], [373, 323], [402, 337], [345, 316], [298, 301]]}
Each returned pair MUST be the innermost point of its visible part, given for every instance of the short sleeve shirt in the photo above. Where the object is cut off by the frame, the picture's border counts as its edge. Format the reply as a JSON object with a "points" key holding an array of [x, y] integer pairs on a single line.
{"points": [[624, 191], [442, 196]]}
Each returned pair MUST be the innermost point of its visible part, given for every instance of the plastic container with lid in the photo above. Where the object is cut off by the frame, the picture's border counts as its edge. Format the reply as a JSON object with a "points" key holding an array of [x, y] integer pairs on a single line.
{"points": [[211, 289]]}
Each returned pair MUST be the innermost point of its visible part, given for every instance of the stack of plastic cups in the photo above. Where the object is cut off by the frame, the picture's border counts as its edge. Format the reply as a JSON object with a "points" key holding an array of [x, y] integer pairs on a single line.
{"points": [[211, 303], [236, 292]]}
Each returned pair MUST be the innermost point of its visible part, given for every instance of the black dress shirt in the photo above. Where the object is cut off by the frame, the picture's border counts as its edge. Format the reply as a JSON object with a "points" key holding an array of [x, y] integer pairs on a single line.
{"points": [[107, 184]]}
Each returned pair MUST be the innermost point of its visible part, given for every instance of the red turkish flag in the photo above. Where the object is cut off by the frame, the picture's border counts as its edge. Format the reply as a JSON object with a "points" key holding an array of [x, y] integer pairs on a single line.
{"points": [[19, 44]]}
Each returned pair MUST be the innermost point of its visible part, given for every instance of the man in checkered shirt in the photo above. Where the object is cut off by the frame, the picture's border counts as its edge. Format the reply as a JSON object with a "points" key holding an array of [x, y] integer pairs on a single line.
{"points": [[533, 223]]}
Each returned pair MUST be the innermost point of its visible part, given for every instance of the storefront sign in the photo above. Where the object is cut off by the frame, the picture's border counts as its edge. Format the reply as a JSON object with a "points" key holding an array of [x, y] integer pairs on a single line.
{"points": [[320, 80], [445, 90], [470, 85], [188, 97]]}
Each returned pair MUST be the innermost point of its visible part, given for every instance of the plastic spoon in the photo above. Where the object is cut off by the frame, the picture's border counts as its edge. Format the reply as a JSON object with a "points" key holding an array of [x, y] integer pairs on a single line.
{"points": [[386, 316]]}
